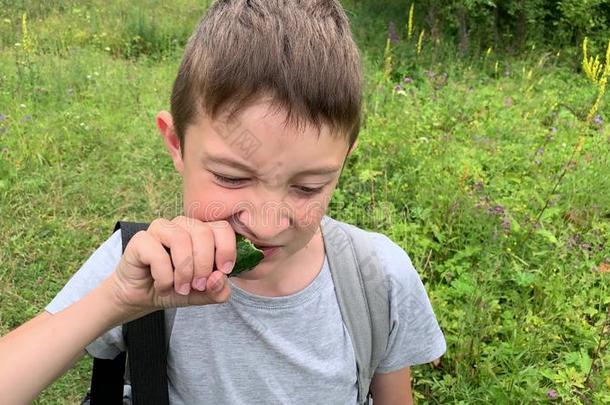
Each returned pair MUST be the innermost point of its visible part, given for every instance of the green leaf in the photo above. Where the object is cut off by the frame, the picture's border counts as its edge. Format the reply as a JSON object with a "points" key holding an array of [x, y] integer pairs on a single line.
{"points": [[548, 235]]}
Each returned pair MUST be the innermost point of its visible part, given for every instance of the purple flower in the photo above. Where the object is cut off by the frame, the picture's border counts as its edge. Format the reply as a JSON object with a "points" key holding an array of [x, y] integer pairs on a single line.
{"points": [[407, 80], [392, 34], [2, 117], [26, 118], [398, 87], [597, 120], [540, 151], [497, 209], [506, 224], [552, 395], [572, 241], [553, 130]]}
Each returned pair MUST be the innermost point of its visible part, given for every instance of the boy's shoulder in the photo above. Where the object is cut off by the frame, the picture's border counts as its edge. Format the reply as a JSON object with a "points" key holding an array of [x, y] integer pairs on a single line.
{"points": [[96, 268], [393, 259]]}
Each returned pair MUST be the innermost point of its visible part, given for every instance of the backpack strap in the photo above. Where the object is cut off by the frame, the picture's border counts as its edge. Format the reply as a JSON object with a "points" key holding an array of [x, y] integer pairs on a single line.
{"points": [[107, 381], [147, 354], [362, 293]]}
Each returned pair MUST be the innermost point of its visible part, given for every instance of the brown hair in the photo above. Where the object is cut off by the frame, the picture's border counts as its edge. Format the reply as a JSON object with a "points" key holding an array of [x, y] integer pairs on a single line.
{"points": [[299, 52]]}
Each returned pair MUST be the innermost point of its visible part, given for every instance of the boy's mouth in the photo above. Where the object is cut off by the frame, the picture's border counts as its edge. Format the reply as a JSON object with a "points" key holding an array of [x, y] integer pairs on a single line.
{"points": [[268, 251]]}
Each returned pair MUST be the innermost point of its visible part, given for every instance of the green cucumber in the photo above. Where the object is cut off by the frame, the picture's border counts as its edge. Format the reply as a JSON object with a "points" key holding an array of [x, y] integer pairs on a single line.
{"points": [[248, 256]]}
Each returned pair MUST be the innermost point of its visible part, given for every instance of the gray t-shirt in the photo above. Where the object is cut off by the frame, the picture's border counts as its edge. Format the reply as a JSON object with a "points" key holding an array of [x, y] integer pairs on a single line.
{"points": [[274, 350]]}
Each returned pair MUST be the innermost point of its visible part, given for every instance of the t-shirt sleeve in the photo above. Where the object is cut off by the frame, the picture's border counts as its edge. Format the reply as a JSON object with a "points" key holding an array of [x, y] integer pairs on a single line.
{"points": [[97, 268], [415, 336]]}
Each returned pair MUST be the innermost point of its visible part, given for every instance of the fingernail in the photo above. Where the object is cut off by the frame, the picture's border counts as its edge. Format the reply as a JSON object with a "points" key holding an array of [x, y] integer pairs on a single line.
{"points": [[227, 267], [218, 286], [184, 289], [199, 283]]}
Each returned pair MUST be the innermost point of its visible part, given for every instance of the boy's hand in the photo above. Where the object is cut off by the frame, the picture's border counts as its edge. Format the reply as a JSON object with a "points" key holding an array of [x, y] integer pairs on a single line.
{"points": [[192, 272]]}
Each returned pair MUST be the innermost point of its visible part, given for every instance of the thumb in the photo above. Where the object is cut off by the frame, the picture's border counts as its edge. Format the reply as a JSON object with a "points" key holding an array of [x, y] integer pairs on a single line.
{"points": [[217, 290]]}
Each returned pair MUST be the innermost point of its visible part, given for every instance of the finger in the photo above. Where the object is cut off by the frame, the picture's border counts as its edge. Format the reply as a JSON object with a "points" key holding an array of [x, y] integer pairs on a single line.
{"points": [[218, 288], [225, 244], [202, 238], [203, 255], [146, 252], [178, 240]]}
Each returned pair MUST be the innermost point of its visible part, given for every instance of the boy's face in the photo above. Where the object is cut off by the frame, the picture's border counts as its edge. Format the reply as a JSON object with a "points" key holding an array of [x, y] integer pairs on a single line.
{"points": [[270, 182]]}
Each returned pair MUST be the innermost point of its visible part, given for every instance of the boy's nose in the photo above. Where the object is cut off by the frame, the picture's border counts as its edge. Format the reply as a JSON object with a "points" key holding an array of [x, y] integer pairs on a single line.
{"points": [[266, 221]]}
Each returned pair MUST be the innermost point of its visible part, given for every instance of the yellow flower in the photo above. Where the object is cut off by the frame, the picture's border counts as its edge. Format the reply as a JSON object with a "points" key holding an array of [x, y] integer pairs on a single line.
{"points": [[598, 74], [410, 22], [420, 41], [387, 58]]}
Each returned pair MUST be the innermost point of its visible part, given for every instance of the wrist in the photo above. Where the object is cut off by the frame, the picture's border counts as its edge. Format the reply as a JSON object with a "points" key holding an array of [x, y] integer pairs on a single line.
{"points": [[121, 309]]}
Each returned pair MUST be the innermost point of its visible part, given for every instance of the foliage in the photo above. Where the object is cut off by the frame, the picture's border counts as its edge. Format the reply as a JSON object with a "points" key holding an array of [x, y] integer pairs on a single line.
{"points": [[508, 25]]}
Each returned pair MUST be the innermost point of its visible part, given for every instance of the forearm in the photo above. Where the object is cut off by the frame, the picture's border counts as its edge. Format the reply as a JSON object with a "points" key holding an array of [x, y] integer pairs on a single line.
{"points": [[40, 351]]}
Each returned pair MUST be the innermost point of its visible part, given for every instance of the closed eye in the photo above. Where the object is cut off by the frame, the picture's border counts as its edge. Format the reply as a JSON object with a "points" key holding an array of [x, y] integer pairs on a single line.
{"points": [[236, 181], [309, 190], [229, 180]]}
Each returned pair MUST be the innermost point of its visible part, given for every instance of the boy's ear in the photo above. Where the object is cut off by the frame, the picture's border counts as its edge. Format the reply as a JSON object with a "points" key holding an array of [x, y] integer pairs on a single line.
{"points": [[165, 123]]}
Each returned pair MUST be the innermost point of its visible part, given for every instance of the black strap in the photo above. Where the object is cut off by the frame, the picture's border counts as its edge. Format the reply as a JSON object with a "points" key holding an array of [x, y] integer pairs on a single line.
{"points": [[107, 381], [145, 341]]}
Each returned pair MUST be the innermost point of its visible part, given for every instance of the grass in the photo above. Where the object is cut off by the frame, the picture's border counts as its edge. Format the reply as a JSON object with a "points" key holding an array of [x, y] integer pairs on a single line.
{"points": [[475, 152]]}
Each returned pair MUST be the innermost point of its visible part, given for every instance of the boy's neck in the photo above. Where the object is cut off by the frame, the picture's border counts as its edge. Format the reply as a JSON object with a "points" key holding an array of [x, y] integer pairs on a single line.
{"points": [[289, 276]]}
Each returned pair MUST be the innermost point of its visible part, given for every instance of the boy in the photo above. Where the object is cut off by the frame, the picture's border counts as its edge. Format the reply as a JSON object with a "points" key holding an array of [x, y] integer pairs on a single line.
{"points": [[264, 113]]}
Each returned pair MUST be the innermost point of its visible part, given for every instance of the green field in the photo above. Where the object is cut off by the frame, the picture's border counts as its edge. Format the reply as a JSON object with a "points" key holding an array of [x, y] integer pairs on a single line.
{"points": [[485, 169]]}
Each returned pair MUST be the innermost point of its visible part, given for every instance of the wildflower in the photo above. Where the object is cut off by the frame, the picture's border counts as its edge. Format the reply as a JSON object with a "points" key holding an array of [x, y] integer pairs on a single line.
{"points": [[387, 58], [552, 395], [410, 22], [538, 162], [22, 105], [506, 224], [597, 120], [540, 151], [553, 130], [420, 41], [479, 185], [573, 241], [26, 118], [392, 34], [497, 209], [398, 88], [407, 80], [2, 117]]}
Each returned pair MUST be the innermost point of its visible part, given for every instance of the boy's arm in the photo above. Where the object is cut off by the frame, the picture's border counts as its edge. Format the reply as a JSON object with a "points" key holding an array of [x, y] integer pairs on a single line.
{"points": [[392, 388], [38, 352], [41, 350]]}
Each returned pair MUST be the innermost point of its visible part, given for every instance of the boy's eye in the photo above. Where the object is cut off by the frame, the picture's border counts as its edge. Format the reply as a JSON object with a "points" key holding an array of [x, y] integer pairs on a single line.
{"points": [[229, 180], [309, 190], [235, 181]]}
